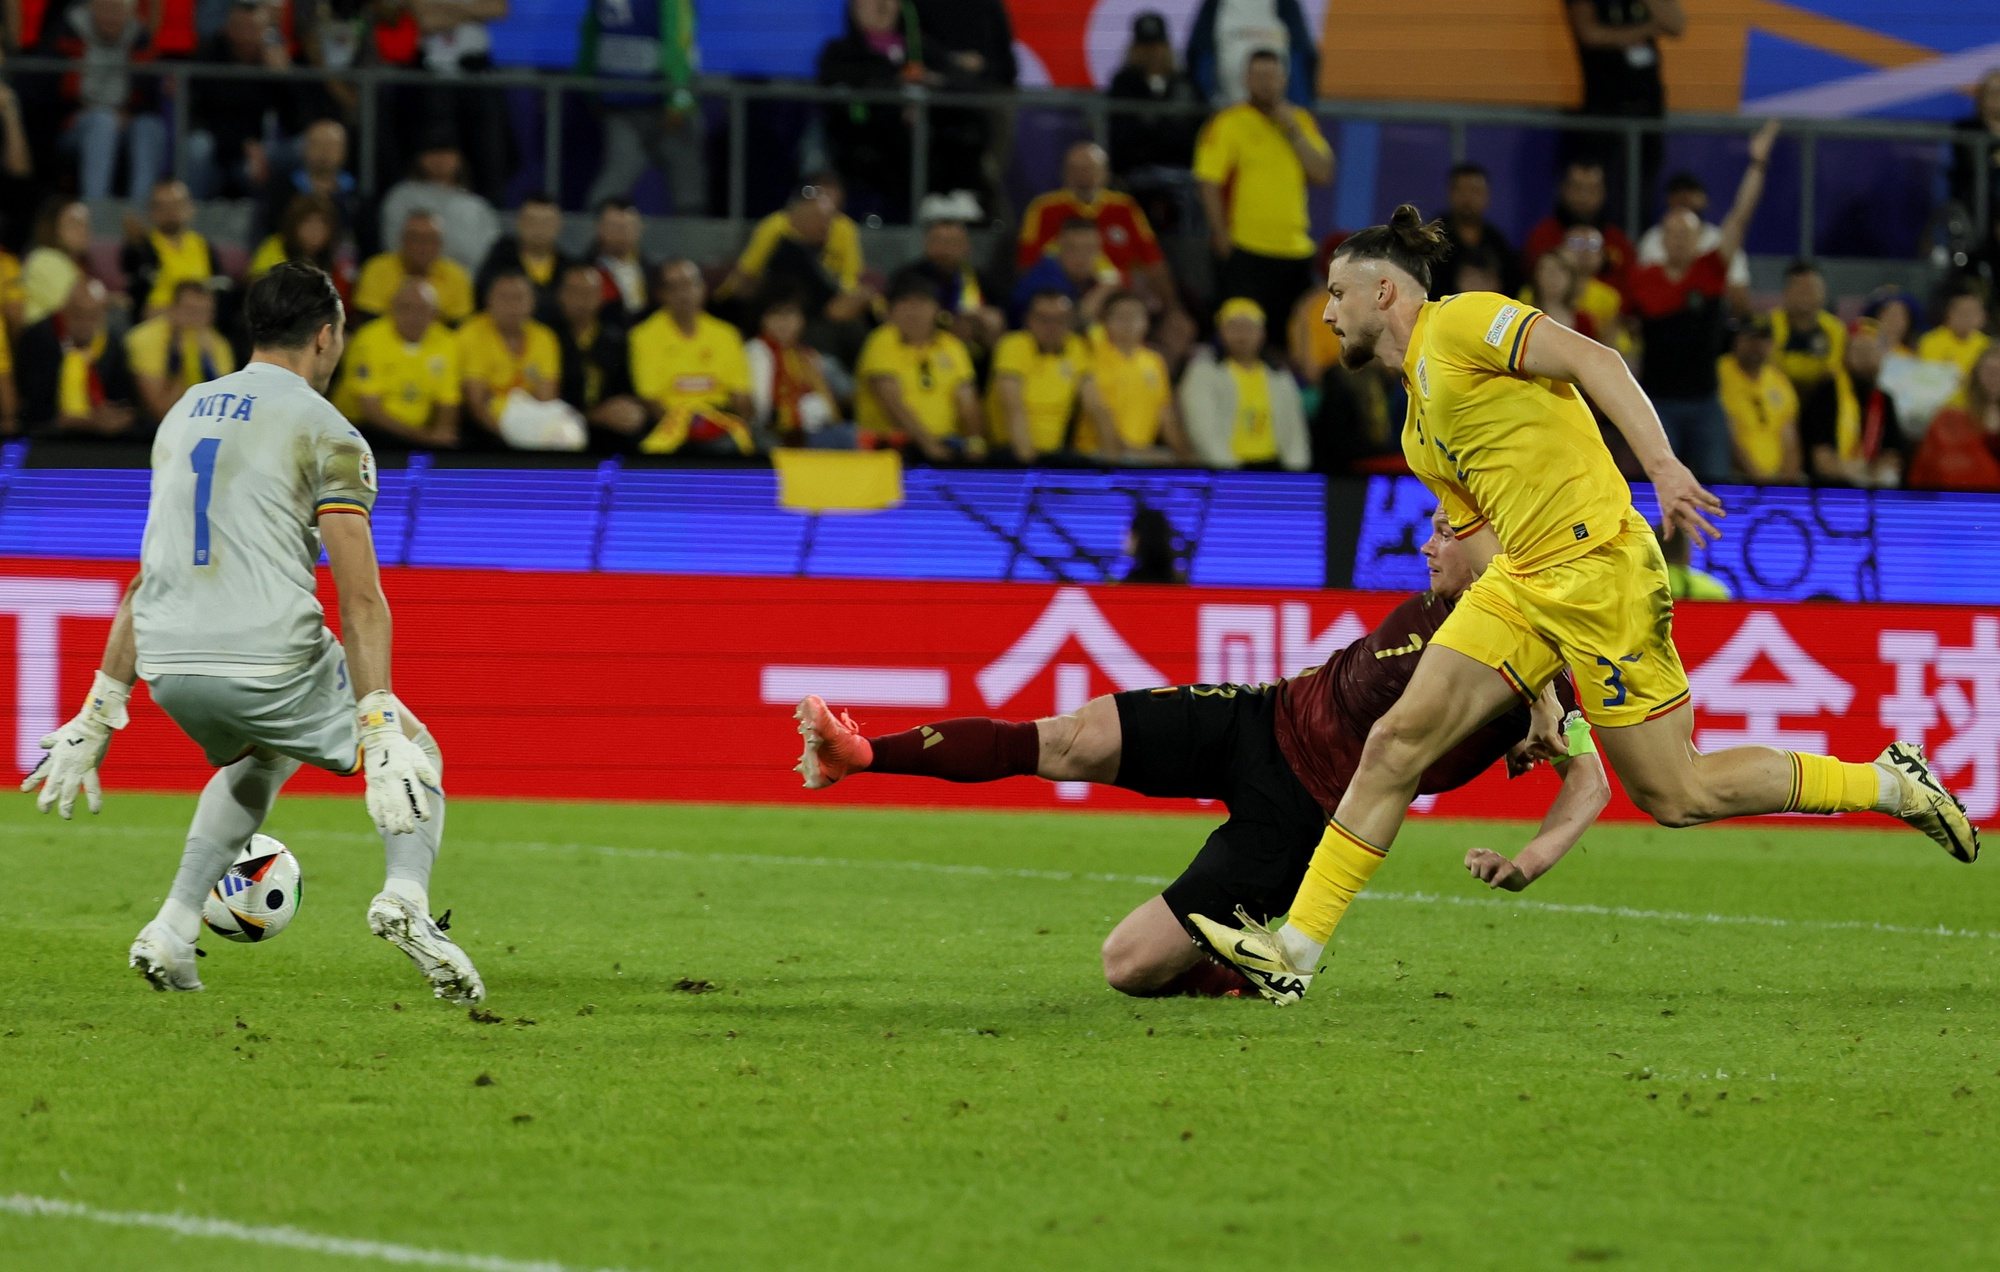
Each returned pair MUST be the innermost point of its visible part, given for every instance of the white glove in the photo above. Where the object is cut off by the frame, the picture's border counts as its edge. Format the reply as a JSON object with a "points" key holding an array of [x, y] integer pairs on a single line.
{"points": [[398, 769], [76, 749]]}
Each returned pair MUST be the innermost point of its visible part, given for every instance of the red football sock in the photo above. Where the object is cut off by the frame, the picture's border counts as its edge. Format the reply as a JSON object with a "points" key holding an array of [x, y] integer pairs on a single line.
{"points": [[973, 749]]}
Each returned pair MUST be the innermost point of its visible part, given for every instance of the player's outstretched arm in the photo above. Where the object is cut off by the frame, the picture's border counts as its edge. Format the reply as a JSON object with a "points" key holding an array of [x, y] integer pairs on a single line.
{"points": [[1749, 192], [76, 749], [1584, 793], [1552, 351], [399, 772]]}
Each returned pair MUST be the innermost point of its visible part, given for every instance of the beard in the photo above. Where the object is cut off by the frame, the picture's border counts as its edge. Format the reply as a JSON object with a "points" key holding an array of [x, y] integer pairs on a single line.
{"points": [[1358, 350]]}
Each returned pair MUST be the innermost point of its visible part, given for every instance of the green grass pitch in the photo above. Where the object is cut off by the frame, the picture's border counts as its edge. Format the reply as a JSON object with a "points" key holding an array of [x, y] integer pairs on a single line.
{"points": [[811, 1038]]}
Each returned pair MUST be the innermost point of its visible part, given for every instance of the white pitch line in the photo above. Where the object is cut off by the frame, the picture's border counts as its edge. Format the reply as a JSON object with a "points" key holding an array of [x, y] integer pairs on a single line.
{"points": [[286, 1238], [1157, 881], [974, 870]]}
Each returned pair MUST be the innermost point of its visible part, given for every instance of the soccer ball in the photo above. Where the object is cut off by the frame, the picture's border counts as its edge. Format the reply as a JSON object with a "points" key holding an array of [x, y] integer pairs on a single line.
{"points": [[258, 897]]}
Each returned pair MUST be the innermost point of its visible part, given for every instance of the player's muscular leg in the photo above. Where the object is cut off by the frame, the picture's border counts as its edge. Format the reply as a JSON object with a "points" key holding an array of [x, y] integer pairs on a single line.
{"points": [[1149, 955], [1448, 697], [1676, 785], [1083, 746], [1148, 950]]}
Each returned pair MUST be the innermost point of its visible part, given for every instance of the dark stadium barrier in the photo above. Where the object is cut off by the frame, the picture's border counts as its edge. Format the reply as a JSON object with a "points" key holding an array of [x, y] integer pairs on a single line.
{"points": [[681, 687]]}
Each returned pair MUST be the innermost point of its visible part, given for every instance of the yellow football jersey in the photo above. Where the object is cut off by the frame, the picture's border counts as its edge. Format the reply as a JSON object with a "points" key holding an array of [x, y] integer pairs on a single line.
{"points": [[484, 354], [1497, 445], [411, 380], [1136, 389], [1050, 383], [930, 376], [672, 368]]}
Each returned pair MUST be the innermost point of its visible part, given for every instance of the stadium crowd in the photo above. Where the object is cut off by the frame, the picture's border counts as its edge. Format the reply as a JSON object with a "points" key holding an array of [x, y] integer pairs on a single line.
{"points": [[474, 328]]}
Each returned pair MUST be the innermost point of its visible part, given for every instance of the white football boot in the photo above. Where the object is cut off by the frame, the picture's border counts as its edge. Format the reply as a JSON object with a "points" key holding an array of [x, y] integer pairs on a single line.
{"points": [[450, 973], [165, 960]]}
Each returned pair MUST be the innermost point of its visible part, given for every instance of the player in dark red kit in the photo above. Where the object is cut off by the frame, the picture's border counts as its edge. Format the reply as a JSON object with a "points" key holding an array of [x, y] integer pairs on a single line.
{"points": [[1278, 756]]}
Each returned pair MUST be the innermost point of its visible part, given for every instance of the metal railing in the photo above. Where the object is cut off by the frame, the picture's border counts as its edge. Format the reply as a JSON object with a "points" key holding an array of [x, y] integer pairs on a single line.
{"points": [[1096, 110]]}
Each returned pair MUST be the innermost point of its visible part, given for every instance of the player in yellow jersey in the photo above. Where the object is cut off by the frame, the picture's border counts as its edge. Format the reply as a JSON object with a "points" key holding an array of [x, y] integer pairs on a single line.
{"points": [[1499, 430]]}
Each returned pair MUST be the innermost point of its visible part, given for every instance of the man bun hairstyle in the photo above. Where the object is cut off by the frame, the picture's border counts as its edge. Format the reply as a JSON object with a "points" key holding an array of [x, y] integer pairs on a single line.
{"points": [[286, 308], [1405, 242]]}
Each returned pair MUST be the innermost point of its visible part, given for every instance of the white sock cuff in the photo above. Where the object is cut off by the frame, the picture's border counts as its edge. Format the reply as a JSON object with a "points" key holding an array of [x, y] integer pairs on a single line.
{"points": [[410, 890]]}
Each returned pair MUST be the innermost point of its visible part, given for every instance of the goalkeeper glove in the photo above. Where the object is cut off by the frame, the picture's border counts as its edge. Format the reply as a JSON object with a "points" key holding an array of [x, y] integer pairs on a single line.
{"points": [[399, 772], [76, 749]]}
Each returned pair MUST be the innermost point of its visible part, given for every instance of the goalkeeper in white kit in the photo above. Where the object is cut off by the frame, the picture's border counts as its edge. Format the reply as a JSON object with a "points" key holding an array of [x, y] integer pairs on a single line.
{"points": [[252, 473]]}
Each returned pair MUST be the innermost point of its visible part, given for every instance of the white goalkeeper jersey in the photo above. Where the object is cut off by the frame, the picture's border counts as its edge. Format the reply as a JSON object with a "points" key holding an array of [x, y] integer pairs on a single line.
{"points": [[243, 467]]}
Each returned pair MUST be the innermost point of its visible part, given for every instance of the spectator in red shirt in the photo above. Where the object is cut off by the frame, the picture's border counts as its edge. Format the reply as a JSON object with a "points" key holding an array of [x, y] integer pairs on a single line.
{"points": [[1961, 448], [1580, 201], [1681, 310], [1129, 243]]}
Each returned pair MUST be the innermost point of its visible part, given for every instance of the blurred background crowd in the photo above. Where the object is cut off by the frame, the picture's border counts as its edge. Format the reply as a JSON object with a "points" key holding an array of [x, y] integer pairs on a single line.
{"points": [[920, 277]]}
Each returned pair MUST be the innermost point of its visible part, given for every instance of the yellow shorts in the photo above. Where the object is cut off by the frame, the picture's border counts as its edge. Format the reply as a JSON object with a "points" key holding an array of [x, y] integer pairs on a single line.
{"points": [[1608, 615]]}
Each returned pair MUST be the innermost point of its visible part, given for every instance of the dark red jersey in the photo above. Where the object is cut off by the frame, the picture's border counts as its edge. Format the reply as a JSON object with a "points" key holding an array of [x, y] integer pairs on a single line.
{"points": [[1324, 714]]}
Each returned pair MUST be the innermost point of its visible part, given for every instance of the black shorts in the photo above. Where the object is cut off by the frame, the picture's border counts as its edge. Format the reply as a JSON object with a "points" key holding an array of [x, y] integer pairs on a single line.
{"points": [[1220, 742]]}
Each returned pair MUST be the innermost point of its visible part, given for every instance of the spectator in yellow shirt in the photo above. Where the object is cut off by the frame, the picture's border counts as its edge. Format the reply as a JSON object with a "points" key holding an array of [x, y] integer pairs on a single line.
{"points": [[10, 398], [58, 261], [502, 348], [400, 378], [1810, 342], [809, 246], [1137, 391], [532, 249], [1041, 385], [1762, 407], [309, 231], [1962, 337], [1604, 304], [1253, 162], [419, 254], [169, 252], [689, 368], [176, 349], [1241, 412], [914, 382], [13, 294]]}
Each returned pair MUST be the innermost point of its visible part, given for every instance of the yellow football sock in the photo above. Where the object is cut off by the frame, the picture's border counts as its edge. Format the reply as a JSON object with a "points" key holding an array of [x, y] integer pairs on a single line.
{"points": [[1822, 784], [1341, 866]]}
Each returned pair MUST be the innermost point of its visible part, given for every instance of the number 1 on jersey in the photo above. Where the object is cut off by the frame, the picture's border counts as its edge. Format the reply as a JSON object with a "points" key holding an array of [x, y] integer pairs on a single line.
{"points": [[204, 486]]}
